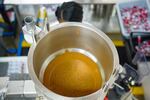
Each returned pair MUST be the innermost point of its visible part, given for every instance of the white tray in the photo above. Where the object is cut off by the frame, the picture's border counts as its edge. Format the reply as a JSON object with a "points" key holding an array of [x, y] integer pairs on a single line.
{"points": [[129, 4]]}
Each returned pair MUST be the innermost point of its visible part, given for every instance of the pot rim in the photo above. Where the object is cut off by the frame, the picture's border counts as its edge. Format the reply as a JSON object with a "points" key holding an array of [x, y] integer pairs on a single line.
{"points": [[56, 96]]}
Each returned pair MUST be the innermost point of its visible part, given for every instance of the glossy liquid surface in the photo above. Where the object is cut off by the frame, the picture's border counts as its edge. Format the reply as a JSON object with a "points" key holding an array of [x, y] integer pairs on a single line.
{"points": [[72, 74]]}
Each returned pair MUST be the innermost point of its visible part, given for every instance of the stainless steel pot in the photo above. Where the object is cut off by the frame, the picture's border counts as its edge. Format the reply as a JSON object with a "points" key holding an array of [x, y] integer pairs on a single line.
{"points": [[75, 35]]}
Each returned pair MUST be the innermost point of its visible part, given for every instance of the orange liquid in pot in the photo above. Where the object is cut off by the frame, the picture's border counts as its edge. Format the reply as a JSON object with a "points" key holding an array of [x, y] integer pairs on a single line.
{"points": [[72, 74]]}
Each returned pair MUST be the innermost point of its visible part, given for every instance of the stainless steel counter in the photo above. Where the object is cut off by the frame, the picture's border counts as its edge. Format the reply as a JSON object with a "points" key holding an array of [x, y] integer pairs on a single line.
{"points": [[101, 15], [59, 1], [15, 83]]}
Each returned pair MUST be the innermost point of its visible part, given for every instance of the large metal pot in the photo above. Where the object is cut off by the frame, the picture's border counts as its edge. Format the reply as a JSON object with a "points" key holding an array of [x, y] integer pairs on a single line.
{"points": [[75, 35]]}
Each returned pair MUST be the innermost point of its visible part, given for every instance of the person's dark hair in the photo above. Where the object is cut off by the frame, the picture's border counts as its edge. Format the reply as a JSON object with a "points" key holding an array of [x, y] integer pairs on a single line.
{"points": [[70, 11]]}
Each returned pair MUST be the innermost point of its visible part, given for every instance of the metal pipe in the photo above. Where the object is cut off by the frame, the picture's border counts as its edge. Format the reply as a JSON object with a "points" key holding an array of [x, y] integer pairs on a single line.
{"points": [[30, 26]]}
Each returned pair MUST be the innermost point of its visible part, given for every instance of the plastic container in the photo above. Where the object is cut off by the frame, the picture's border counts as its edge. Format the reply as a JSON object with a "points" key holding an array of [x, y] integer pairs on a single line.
{"points": [[130, 4], [139, 42]]}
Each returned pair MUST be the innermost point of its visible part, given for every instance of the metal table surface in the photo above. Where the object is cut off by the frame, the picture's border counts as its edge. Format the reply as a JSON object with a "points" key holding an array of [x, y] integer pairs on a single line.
{"points": [[60, 1], [16, 81]]}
